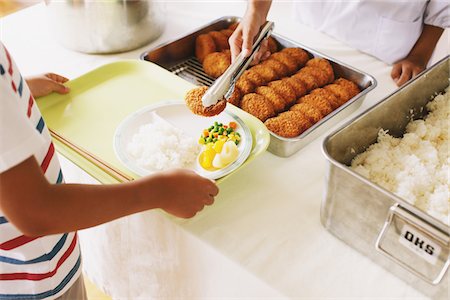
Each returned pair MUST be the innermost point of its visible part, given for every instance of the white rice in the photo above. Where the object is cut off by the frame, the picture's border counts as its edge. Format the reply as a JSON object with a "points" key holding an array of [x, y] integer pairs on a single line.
{"points": [[415, 167], [160, 146]]}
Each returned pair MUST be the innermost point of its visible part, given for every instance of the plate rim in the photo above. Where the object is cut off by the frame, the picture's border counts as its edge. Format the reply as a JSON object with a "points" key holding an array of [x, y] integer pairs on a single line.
{"points": [[217, 174]]}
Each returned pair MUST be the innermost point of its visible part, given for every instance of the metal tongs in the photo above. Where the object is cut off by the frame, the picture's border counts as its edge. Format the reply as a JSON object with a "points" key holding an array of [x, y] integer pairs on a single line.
{"points": [[224, 85]]}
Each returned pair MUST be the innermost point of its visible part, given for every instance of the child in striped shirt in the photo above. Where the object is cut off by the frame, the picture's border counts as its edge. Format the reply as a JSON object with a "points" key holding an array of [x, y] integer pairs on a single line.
{"points": [[39, 214]]}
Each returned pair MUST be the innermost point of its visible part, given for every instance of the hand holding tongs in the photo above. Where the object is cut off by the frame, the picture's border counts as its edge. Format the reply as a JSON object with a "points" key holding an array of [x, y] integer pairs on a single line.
{"points": [[224, 85]]}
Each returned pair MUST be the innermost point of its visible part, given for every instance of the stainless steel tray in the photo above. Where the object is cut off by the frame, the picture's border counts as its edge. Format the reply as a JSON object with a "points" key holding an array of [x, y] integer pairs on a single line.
{"points": [[178, 56], [373, 220]]}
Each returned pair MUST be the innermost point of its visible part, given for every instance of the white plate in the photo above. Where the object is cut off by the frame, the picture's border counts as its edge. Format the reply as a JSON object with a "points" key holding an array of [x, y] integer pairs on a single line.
{"points": [[178, 115]]}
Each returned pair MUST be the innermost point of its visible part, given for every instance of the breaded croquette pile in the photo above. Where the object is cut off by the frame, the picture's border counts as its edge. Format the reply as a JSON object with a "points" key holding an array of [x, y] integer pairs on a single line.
{"points": [[312, 108], [211, 49], [289, 91], [193, 99], [216, 63]]}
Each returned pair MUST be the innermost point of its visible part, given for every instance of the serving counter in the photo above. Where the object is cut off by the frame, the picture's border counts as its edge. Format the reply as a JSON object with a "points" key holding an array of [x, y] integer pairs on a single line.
{"points": [[262, 238]]}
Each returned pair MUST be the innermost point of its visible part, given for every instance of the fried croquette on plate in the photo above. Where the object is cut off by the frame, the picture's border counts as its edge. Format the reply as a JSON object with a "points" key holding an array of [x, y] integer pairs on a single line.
{"points": [[310, 111], [253, 77], [267, 73], [233, 26], [235, 97], [204, 45], [287, 60], [193, 99], [318, 102], [288, 124], [258, 106], [284, 90], [340, 92], [245, 85], [321, 77], [323, 64], [349, 85], [273, 45], [220, 40], [309, 81], [327, 95], [216, 63], [280, 69], [297, 85], [277, 101], [300, 55]]}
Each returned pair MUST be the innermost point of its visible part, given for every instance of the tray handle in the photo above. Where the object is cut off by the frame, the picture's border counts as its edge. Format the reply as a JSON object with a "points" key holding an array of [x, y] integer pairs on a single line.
{"points": [[427, 246]]}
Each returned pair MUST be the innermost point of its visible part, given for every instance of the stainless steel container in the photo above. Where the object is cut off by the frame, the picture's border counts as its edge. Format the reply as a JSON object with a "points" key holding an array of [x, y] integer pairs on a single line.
{"points": [[106, 26], [403, 239], [178, 56]]}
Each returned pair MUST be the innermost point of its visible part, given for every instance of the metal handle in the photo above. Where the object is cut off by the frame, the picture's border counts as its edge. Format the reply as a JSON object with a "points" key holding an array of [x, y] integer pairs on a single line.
{"points": [[397, 211], [224, 85]]}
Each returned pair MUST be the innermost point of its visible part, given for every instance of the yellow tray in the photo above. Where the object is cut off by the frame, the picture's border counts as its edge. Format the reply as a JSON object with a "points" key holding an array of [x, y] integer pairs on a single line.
{"points": [[99, 100]]}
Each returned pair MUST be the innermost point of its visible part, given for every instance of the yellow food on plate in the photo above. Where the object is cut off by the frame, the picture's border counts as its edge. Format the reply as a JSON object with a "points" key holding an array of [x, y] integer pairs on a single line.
{"points": [[219, 146], [228, 154]]}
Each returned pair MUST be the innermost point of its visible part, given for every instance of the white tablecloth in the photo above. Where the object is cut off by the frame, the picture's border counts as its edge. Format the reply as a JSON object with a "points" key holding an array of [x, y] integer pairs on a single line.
{"points": [[262, 238]]}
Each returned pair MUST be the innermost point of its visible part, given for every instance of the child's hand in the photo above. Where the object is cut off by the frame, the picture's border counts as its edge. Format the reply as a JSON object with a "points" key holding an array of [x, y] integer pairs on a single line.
{"points": [[43, 85], [181, 193], [406, 69]]}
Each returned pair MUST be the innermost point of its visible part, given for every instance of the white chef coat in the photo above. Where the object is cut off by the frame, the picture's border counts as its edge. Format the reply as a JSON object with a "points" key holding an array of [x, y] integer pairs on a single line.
{"points": [[386, 29]]}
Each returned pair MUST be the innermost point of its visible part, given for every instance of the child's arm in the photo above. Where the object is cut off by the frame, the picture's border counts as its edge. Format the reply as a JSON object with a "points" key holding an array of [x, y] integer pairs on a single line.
{"points": [[43, 85], [418, 57], [37, 207]]}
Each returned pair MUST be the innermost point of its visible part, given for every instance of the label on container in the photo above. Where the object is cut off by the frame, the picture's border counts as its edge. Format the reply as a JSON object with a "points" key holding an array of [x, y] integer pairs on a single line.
{"points": [[421, 245]]}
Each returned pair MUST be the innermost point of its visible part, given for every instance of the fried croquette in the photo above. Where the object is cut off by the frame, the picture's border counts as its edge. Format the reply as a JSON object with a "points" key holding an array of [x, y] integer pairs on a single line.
{"points": [[193, 99], [297, 85], [235, 97], [258, 106], [227, 32], [220, 40], [327, 95], [273, 45], [321, 77], [267, 73], [233, 26], [310, 111], [280, 69], [245, 85], [318, 102], [277, 101], [349, 85], [216, 63], [204, 45], [287, 60], [307, 79], [323, 64], [340, 92], [284, 90], [288, 124], [300, 55], [253, 77]]}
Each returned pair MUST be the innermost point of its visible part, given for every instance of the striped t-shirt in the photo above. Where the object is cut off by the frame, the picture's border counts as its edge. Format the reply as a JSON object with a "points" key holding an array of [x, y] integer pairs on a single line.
{"points": [[41, 267]]}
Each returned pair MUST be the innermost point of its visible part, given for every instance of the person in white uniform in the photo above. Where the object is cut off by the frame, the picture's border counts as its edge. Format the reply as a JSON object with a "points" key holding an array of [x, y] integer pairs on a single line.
{"points": [[398, 32]]}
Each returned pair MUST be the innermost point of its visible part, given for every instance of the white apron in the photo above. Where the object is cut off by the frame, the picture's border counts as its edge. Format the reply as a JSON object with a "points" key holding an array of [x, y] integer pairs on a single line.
{"points": [[386, 29]]}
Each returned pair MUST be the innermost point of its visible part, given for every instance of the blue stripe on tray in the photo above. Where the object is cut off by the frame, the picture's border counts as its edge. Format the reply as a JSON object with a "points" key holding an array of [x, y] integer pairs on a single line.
{"points": [[3, 220], [46, 294], [46, 257]]}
